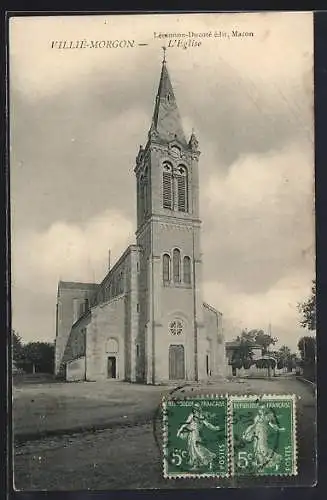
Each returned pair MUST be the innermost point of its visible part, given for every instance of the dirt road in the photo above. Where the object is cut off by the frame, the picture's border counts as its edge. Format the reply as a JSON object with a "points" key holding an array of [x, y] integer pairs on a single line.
{"points": [[127, 455]]}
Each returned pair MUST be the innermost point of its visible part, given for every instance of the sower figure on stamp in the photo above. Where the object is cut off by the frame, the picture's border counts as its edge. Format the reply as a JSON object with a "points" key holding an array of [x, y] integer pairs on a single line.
{"points": [[258, 433], [199, 455]]}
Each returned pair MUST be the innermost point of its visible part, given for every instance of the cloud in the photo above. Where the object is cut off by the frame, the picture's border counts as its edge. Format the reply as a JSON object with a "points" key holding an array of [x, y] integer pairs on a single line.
{"points": [[286, 37], [34, 313], [276, 307], [64, 251], [258, 101], [69, 252], [73, 163], [258, 219], [78, 117]]}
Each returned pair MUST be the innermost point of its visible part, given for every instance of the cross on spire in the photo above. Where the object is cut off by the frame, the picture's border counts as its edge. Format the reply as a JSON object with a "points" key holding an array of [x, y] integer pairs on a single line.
{"points": [[164, 54]]}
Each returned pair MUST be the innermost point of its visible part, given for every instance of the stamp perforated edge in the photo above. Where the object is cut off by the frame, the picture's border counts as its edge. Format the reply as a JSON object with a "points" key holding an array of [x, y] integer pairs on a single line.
{"points": [[251, 397], [164, 400]]}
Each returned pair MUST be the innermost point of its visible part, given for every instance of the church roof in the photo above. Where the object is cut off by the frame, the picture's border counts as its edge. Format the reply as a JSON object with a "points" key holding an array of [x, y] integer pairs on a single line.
{"points": [[166, 121], [211, 308]]}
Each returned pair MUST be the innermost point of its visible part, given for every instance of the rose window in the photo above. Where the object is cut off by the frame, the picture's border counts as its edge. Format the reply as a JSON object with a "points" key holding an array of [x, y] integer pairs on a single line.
{"points": [[176, 328]]}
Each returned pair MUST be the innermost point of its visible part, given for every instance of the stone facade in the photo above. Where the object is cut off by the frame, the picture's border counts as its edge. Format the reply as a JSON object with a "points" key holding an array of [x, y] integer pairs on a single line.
{"points": [[146, 321], [71, 299]]}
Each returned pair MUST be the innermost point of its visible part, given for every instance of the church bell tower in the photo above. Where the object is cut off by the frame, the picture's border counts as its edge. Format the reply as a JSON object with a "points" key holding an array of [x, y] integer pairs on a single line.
{"points": [[168, 231]]}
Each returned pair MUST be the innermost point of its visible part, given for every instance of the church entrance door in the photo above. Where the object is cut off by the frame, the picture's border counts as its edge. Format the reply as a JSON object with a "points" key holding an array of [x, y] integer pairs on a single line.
{"points": [[176, 362], [112, 367]]}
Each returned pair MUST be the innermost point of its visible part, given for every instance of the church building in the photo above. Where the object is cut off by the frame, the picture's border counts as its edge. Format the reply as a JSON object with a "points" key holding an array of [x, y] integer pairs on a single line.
{"points": [[146, 321]]}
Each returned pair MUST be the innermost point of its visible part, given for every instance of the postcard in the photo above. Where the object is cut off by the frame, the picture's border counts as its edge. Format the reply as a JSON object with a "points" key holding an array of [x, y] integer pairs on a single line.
{"points": [[162, 250]]}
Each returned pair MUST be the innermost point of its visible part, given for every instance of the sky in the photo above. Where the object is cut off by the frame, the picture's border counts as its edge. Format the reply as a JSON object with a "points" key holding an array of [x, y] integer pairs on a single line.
{"points": [[78, 117]]}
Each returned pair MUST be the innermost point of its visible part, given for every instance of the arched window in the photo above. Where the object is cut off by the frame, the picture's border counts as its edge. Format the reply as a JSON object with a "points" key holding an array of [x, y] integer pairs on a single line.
{"points": [[121, 282], [182, 198], [140, 197], [138, 201], [76, 309], [81, 309], [167, 185], [145, 188], [175, 151], [112, 345], [166, 268], [177, 265], [145, 196], [187, 270]]}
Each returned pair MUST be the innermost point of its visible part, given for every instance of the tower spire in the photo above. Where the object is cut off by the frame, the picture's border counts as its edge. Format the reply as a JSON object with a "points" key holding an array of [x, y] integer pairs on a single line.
{"points": [[166, 121]]}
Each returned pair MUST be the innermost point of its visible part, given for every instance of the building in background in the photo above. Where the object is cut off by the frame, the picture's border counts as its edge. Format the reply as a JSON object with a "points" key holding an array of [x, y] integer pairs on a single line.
{"points": [[146, 321], [233, 346]]}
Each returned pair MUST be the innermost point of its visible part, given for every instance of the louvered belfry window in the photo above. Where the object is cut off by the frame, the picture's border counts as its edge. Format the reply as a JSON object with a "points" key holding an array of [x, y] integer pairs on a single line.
{"points": [[181, 176], [167, 186], [141, 197], [145, 192]]}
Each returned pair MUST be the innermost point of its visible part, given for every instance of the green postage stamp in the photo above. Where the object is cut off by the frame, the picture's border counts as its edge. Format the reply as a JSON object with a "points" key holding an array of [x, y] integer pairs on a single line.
{"points": [[219, 436], [263, 435], [195, 437]]}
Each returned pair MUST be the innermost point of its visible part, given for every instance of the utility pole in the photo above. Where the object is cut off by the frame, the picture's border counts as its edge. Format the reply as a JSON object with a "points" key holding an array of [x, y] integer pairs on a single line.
{"points": [[268, 346], [270, 333]]}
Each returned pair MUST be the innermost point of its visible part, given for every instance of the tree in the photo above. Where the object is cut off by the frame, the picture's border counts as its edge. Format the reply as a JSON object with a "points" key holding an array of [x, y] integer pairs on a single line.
{"points": [[283, 356], [242, 355], [308, 310], [307, 348], [292, 362], [284, 351], [258, 337], [39, 355], [17, 347], [268, 363]]}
